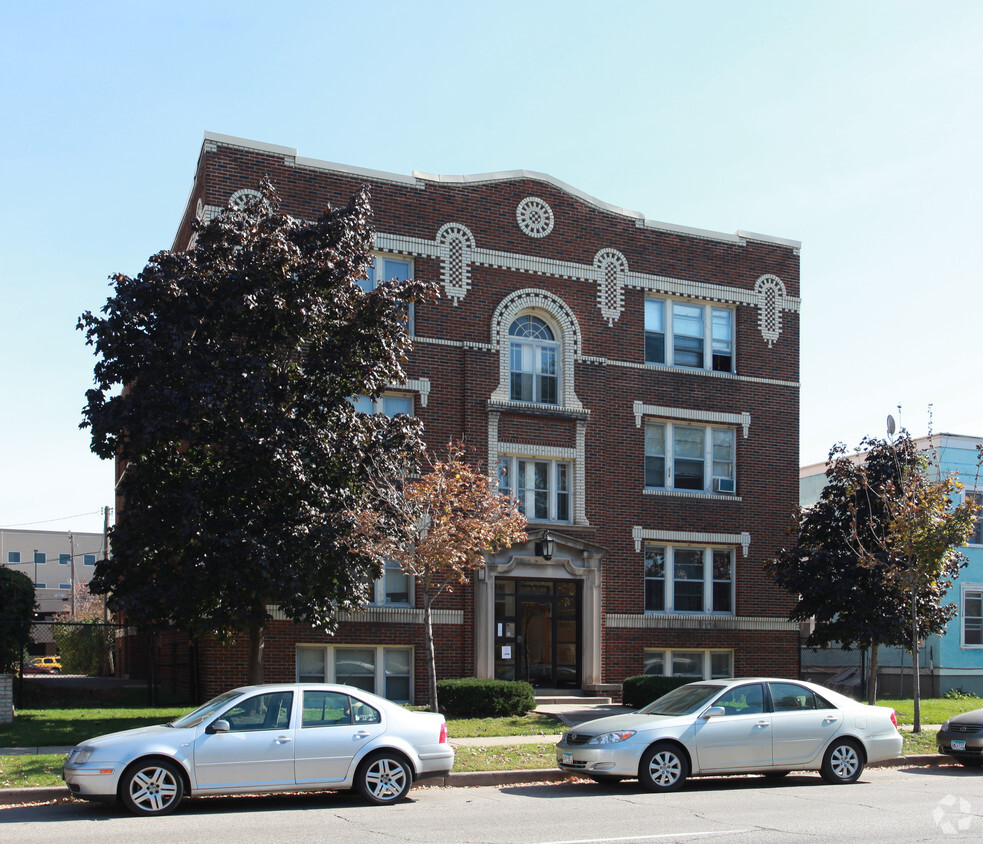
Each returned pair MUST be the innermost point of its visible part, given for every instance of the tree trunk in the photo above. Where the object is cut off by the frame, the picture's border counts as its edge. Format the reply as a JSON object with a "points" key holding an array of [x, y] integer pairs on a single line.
{"points": [[872, 675], [257, 644], [431, 654], [916, 690]]}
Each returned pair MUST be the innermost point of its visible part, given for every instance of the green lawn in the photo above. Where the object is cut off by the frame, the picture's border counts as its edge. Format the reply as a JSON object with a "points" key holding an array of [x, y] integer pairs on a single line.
{"points": [[933, 710]]}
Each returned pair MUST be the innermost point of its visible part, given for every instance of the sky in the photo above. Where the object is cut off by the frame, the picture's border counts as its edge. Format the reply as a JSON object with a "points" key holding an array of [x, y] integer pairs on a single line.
{"points": [[853, 127]]}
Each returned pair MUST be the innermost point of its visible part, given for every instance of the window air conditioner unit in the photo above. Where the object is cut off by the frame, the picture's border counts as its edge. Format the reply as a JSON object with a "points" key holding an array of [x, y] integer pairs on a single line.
{"points": [[723, 485]]}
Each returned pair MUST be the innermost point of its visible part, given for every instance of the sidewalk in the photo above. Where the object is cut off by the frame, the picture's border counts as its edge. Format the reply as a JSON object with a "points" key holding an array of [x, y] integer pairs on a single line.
{"points": [[570, 713]]}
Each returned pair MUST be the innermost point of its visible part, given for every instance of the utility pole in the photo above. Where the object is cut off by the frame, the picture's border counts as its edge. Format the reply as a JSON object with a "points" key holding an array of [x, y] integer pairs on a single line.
{"points": [[71, 562]]}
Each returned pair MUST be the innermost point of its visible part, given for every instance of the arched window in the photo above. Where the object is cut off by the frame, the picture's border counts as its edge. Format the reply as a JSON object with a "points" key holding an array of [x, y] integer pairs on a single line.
{"points": [[533, 361]]}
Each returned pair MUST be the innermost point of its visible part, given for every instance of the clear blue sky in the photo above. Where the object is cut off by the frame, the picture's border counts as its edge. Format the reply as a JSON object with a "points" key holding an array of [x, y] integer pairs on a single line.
{"points": [[854, 127]]}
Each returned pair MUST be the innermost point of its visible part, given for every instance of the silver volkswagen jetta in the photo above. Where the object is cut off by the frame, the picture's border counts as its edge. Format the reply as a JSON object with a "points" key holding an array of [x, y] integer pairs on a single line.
{"points": [[292, 737], [754, 725]]}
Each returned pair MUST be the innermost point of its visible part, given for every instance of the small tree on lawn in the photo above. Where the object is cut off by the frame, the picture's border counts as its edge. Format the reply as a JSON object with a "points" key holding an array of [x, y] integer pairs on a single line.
{"points": [[224, 388], [918, 536], [438, 529], [850, 602]]}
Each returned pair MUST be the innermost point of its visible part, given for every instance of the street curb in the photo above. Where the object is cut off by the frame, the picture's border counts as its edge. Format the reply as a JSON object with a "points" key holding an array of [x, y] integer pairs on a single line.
{"points": [[464, 779]]}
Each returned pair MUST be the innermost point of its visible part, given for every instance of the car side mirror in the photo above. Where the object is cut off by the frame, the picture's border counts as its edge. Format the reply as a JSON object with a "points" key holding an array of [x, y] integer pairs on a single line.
{"points": [[220, 726], [713, 712]]}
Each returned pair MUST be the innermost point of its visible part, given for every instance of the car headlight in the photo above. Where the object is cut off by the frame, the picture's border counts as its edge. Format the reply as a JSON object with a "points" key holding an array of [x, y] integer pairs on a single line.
{"points": [[945, 726], [79, 756], [613, 737]]}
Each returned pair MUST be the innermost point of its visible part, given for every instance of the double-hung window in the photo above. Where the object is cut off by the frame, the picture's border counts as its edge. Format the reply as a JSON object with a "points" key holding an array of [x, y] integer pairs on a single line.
{"points": [[388, 268], [542, 487], [685, 457], [703, 664], [976, 537], [393, 588], [680, 333], [972, 614], [533, 361], [385, 671], [693, 580], [388, 404]]}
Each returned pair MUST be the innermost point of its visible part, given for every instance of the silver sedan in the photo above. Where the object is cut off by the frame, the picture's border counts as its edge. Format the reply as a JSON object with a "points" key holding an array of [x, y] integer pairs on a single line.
{"points": [[754, 725], [293, 737]]}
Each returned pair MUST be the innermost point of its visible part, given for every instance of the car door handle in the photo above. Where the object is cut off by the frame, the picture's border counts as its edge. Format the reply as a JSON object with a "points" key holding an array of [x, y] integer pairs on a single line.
{"points": [[764, 724], [361, 734], [830, 719], [283, 739]]}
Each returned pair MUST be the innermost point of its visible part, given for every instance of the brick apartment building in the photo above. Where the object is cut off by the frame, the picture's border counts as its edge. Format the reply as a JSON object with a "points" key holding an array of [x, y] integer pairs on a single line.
{"points": [[634, 384]]}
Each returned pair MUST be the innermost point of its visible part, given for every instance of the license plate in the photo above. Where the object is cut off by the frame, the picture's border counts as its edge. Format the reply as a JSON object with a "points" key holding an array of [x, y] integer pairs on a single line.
{"points": [[955, 743], [568, 758]]}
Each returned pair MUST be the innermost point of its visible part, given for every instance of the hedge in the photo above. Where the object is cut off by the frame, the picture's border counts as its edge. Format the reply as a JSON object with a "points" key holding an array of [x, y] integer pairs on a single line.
{"points": [[472, 697], [642, 689]]}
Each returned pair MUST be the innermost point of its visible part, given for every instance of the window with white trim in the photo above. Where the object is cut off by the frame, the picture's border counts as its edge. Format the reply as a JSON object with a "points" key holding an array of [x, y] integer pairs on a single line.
{"points": [[388, 268], [534, 361], [697, 458], [64, 559], [972, 615], [682, 579], [393, 588], [13, 557], [699, 664], [542, 487], [88, 559], [382, 670], [40, 558], [388, 403], [681, 333], [976, 538]]}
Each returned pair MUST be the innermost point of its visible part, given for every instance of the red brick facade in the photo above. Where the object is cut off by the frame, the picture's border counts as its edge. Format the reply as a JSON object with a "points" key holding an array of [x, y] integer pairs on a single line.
{"points": [[518, 244]]}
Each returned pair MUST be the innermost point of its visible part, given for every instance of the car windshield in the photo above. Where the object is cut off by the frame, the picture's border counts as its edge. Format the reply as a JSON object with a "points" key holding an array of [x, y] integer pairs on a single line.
{"points": [[682, 701], [195, 717]]}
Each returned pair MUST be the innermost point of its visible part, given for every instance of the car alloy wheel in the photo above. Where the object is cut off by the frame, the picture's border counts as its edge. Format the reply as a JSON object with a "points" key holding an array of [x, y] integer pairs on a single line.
{"points": [[663, 767], [153, 787], [843, 762], [384, 778]]}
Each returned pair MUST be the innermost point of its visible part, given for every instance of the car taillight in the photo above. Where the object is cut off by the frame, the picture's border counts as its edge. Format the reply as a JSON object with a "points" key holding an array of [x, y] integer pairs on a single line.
{"points": [[894, 719], [443, 733]]}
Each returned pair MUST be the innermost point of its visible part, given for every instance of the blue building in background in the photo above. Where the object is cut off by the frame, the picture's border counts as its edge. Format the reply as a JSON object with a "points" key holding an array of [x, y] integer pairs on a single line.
{"points": [[952, 660]]}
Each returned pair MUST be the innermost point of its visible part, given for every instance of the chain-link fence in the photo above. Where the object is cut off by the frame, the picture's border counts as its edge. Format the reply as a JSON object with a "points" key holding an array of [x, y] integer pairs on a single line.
{"points": [[847, 672], [79, 664]]}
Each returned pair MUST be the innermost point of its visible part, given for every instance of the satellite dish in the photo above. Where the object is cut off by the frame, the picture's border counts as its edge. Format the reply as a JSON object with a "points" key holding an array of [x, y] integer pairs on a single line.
{"points": [[890, 425]]}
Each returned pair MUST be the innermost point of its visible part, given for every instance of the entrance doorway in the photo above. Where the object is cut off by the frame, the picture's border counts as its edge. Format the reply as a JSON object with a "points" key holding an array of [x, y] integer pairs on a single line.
{"points": [[537, 631]]}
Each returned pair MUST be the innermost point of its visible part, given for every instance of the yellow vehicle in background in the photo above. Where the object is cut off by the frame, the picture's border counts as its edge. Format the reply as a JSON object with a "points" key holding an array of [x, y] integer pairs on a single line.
{"points": [[44, 665]]}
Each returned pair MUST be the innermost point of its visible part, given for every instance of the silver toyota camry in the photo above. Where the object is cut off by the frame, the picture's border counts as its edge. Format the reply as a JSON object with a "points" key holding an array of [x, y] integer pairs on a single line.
{"points": [[292, 737], [753, 725]]}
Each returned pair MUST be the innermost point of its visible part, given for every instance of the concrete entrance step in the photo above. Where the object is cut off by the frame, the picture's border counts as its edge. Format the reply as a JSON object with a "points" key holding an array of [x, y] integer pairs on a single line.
{"points": [[568, 699]]}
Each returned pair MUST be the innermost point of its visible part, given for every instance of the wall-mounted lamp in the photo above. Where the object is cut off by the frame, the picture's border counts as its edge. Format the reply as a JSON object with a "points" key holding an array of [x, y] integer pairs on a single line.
{"points": [[545, 546]]}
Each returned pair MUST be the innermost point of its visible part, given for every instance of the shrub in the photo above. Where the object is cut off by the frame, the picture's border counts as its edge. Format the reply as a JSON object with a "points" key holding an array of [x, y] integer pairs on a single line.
{"points": [[471, 697], [642, 689], [959, 694]]}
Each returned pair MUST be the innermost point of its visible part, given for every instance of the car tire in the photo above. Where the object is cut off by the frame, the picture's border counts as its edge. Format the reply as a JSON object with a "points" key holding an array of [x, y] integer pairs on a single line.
{"points": [[384, 778], [843, 762], [663, 767], [152, 787]]}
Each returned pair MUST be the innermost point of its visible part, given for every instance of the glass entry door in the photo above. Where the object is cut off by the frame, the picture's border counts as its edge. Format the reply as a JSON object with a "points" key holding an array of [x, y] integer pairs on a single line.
{"points": [[537, 631]]}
